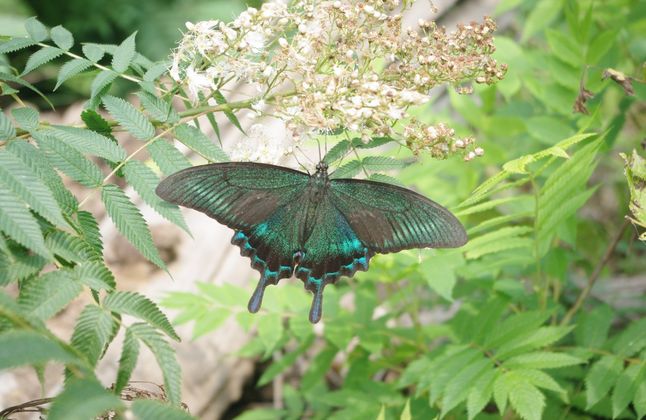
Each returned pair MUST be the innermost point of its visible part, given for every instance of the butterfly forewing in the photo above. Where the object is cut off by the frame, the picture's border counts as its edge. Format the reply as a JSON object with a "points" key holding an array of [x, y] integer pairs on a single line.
{"points": [[388, 218]]}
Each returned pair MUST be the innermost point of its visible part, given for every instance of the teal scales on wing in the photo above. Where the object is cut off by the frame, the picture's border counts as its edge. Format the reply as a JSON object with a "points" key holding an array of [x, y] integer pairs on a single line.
{"points": [[316, 228]]}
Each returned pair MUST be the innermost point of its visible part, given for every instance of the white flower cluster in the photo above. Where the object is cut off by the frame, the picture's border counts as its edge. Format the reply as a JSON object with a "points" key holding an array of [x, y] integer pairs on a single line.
{"points": [[324, 65]]}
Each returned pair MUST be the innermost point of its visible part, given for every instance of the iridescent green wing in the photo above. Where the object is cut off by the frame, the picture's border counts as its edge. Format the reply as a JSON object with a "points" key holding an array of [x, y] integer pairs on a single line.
{"points": [[387, 218], [332, 250], [259, 201]]}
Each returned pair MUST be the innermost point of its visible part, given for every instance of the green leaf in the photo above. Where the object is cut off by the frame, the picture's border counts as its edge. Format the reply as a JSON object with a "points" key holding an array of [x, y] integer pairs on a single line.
{"points": [[541, 380], [89, 230], [600, 46], [95, 275], [71, 69], [27, 118], [480, 393], [90, 142], [18, 348], [499, 240], [62, 37], [144, 181], [167, 157], [288, 360], [318, 368], [542, 360], [129, 117], [82, 400], [564, 47], [36, 30], [513, 327], [19, 265], [130, 223], [457, 390], [19, 224], [157, 410], [155, 71], [158, 108], [92, 332], [626, 387], [72, 248], [7, 131], [101, 82], [70, 161], [16, 44], [124, 54], [93, 53], [40, 57], [527, 400], [165, 357], [36, 161], [601, 377], [382, 163], [132, 303], [270, 331], [639, 401], [593, 327], [541, 337], [21, 82], [632, 339], [29, 188], [221, 100], [439, 272], [542, 15], [197, 141], [44, 296], [127, 361], [337, 151], [348, 170]]}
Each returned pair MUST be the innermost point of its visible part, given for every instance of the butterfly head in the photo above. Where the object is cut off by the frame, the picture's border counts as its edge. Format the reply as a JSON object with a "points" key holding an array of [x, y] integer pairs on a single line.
{"points": [[321, 169]]}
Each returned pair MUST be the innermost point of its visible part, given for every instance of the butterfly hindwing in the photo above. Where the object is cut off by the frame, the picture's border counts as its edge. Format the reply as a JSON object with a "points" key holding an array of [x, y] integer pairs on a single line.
{"points": [[388, 218]]}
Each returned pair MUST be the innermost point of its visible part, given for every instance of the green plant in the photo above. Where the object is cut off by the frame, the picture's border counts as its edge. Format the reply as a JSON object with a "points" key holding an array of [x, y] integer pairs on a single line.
{"points": [[499, 328]]}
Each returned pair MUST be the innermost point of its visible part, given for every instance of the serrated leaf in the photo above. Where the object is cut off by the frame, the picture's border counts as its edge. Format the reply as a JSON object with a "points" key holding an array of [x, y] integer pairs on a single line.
{"points": [[27, 118], [132, 303], [442, 373], [632, 340], [93, 53], [7, 131], [382, 163], [499, 240], [89, 230], [480, 394], [513, 327], [124, 54], [102, 81], [130, 223], [158, 108], [21, 82], [337, 151], [71, 69], [72, 248], [92, 332], [288, 360], [95, 275], [157, 410], [16, 44], [386, 179], [527, 400], [44, 296], [541, 380], [194, 139], [593, 327], [18, 223], [127, 361], [626, 387], [90, 142], [270, 331], [542, 360], [155, 71], [144, 181], [36, 161], [167, 157], [18, 348], [62, 37], [70, 161], [601, 377], [29, 188], [129, 117], [348, 170], [36, 30], [40, 57], [19, 265], [165, 357], [541, 337], [83, 399], [457, 390]]}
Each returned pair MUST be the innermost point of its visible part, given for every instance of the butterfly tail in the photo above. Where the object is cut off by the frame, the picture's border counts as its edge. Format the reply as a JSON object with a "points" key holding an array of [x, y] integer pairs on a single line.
{"points": [[256, 299], [316, 310]]}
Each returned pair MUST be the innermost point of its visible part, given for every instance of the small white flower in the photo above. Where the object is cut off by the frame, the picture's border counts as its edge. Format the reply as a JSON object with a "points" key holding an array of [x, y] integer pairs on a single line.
{"points": [[196, 82], [256, 41]]}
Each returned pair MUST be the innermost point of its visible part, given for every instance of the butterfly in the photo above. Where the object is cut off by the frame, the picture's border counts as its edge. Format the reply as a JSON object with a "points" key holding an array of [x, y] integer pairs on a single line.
{"points": [[312, 226]]}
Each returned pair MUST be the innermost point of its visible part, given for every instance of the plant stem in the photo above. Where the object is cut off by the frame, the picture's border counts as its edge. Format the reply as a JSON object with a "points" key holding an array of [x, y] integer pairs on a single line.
{"points": [[595, 274]]}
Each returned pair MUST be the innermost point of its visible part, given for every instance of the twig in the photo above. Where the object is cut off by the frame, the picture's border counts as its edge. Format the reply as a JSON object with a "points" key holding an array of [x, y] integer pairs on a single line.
{"points": [[595, 274], [24, 407]]}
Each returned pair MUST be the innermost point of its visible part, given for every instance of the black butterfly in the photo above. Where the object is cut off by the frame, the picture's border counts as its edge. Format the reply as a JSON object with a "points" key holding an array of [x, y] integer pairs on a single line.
{"points": [[289, 222]]}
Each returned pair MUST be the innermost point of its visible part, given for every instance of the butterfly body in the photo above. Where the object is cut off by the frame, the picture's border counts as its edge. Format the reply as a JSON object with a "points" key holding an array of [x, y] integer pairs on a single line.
{"points": [[318, 229]]}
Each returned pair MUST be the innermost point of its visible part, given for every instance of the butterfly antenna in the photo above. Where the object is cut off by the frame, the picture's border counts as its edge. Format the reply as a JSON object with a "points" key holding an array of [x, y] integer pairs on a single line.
{"points": [[299, 162], [318, 142]]}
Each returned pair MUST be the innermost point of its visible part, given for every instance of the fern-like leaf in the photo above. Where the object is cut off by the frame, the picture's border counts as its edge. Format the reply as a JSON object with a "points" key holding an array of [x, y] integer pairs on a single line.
{"points": [[382, 163], [36, 30], [88, 228], [158, 108], [71, 69], [124, 54], [29, 188], [16, 44], [167, 157], [101, 82], [144, 181], [19, 224], [127, 361], [40, 57], [26, 117], [130, 222], [165, 356], [7, 130], [62, 37], [153, 410], [194, 139], [44, 296], [18, 264], [129, 117], [348, 170], [132, 303], [83, 399], [92, 332], [90, 142], [95, 275], [19, 347]]}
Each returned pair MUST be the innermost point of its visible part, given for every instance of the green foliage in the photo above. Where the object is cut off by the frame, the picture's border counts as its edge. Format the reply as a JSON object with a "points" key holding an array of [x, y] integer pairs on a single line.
{"points": [[497, 329]]}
